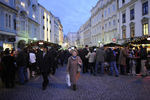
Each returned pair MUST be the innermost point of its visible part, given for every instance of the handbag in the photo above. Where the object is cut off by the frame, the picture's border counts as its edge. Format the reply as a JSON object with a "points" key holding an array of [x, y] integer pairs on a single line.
{"points": [[68, 80]]}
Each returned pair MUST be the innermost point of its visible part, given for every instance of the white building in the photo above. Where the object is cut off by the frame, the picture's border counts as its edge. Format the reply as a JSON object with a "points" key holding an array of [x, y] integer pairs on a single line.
{"points": [[104, 22], [27, 25], [85, 33], [134, 18], [45, 24], [72, 38]]}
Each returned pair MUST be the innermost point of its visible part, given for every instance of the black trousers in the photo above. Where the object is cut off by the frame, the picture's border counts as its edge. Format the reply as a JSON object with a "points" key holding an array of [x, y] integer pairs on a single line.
{"points": [[85, 66], [92, 67], [45, 79]]}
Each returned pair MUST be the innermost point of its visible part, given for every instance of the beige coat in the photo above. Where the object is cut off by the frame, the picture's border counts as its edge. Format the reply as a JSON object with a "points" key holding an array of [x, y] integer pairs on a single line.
{"points": [[123, 56], [72, 68]]}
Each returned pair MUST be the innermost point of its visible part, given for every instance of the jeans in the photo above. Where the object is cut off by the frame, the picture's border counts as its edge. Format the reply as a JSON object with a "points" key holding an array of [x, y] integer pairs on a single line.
{"points": [[100, 64], [112, 67], [22, 74]]}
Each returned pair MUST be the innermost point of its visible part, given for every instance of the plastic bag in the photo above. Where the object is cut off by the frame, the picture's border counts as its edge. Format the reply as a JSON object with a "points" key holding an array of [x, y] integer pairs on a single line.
{"points": [[68, 80]]}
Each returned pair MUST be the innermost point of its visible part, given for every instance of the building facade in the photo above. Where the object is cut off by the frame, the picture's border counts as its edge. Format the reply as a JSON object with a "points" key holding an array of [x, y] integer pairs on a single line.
{"points": [[45, 24], [104, 22], [8, 32], [134, 19], [27, 24], [72, 39], [85, 32]]}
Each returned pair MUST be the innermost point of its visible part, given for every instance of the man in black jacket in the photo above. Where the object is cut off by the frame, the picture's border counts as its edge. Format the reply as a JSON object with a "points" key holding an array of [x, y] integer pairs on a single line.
{"points": [[43, 61], [22, 64], [8, 63]]}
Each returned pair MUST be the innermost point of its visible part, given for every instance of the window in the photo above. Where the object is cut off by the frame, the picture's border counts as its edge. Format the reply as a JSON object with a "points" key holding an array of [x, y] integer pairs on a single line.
{"points": [[43, 27], [14, 24], [110, 24], [145, 29], [34, 31], [131, 14], [123, 1], [124, 33], [22, 25], [105, 13], [123, 18], [114, 7], [145, 8], [108, 10], [43, 17], [8, 21], [132, 31], [114, 22]]}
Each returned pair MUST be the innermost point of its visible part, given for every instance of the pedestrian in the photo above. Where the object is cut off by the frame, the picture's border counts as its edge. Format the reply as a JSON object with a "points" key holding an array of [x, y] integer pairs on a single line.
{"points": [[8, 69], [43, 61], [112, 61], [91, 59], [85, 51], [132, 62], [21, 60], [100, 59], [122, 59], [73, 68], [143, 57], [32, 59]]}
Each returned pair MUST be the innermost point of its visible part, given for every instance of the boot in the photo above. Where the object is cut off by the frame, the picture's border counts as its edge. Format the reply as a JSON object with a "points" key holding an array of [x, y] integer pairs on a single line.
{"points": [[74, 87]]}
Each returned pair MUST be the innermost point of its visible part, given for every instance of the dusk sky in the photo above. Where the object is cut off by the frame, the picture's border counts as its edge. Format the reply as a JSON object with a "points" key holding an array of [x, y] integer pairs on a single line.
{"points": [[72, 13]]}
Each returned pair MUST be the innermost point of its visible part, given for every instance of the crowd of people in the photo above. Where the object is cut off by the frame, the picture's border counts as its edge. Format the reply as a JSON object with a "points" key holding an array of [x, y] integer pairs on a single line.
{"points": [[24, 64], [127, 60]]}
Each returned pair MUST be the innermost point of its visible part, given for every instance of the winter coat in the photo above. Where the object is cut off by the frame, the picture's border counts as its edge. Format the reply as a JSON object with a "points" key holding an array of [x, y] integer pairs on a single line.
{"points": [[72, 68], [123, 56], [43, 61], [100, 55], [21, 59], [91, 57]]}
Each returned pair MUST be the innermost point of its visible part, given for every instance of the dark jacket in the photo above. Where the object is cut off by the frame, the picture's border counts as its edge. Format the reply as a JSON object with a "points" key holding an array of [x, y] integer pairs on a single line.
{"points": [[111, 55], [44, 62], [21, 59], [100, 55], [143, 54], [8, 63]]}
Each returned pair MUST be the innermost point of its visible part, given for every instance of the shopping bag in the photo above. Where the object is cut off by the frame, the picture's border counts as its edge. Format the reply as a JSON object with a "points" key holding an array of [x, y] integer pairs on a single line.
{"points": [[68, 80]]}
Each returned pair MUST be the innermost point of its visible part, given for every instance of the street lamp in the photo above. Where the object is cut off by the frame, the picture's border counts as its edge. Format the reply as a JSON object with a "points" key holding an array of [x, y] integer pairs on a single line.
{"points": [[34, 39], [99, 43]]}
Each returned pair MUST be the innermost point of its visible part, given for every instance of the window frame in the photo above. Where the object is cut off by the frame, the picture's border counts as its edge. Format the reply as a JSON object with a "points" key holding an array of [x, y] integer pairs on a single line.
{"points": [[145, 8]]}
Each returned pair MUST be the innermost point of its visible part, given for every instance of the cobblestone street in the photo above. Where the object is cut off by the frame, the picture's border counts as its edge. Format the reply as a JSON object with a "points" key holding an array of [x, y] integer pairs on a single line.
{"points": [[89, 88]]}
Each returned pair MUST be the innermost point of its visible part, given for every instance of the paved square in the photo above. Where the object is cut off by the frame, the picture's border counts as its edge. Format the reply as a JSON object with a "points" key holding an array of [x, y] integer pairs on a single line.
{"points": [[88, 88]]}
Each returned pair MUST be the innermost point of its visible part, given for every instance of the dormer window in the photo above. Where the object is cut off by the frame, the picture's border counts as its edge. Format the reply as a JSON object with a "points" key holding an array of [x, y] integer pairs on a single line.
{"points": [[123, 1], [34, 7]]}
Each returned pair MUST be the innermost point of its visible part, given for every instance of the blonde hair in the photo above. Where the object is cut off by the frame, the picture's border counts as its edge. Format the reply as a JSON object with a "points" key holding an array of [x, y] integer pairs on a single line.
{"points": [[74, 50]]}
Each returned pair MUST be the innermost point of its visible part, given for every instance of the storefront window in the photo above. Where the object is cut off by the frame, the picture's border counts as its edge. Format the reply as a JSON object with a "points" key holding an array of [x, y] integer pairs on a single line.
{"points": [[145, 29], [6, 45], [132, 31]]}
